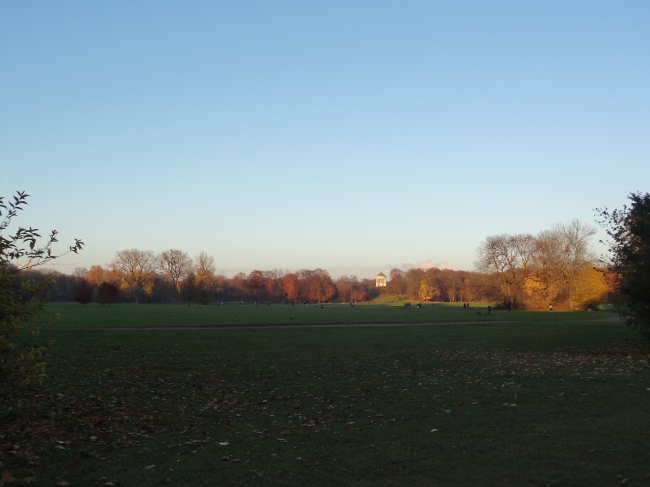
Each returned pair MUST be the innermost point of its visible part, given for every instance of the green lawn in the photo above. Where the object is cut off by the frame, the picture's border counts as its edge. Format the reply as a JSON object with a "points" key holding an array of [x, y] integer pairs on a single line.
{"points": [[532, 402], [129, 315]]}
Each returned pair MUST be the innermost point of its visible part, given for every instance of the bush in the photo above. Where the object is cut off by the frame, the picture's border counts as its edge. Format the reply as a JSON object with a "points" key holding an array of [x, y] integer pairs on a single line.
{"points": [[629, 262], [107, 293], [83, 294]]}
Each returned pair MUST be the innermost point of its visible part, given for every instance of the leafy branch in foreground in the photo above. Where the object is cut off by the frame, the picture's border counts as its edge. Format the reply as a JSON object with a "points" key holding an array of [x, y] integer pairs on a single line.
{"points": [[629, 259], [21, 360]]}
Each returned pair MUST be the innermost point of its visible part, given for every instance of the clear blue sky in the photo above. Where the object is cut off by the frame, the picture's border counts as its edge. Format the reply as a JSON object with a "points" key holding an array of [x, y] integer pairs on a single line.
{"points": [[352, 136]]}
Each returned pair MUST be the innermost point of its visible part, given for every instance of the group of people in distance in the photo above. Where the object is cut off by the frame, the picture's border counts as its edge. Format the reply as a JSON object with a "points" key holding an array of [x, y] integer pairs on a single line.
{"points": [[507, 304]]}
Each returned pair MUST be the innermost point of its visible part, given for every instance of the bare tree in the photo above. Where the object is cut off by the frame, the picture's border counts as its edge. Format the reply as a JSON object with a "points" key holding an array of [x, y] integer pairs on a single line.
{"points": [[547, 281], [204, 266], [560, 256], [176, 265], [508, 256], [495, 255], [575, 252], [523, 245], [136, 268], [206, 279], [80, 272]]}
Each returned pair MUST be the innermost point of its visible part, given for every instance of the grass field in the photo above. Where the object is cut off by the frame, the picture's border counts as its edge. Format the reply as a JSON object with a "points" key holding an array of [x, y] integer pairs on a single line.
{"points": [[74, 315], [560, 401]]}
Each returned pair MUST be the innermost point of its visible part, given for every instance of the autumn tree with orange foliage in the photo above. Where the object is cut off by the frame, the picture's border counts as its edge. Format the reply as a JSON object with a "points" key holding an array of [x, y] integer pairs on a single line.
{"points": [[95, 275], [290, 286], [396, 282], [256, 284], [315, 285]]}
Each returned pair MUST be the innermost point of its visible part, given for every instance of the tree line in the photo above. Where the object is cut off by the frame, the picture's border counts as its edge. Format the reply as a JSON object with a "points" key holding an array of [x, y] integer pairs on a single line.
{"points": [[555, 267], [142, 276]]}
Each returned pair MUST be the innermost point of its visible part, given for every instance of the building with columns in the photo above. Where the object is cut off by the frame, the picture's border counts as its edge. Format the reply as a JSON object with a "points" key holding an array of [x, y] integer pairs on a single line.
{"points": [[380, 280]]}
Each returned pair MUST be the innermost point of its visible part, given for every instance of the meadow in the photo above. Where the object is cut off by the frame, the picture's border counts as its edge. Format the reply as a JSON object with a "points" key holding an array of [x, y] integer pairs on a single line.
{"points": [[524, 399], [75, 316]]}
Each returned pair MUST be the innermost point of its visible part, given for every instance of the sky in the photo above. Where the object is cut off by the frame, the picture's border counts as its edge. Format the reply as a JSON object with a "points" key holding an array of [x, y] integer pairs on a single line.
{"points": [[354, 136]]}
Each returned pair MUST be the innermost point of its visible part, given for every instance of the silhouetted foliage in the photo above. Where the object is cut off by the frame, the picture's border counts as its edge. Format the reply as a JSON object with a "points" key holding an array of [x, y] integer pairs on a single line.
{"points": [[83, 294], [21, 360], [629, 262], [107, 293], [190, 289]]}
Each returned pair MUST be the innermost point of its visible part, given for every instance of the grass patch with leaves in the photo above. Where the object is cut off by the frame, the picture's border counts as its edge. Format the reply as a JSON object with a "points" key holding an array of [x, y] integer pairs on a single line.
{"points": [[522, 404]]}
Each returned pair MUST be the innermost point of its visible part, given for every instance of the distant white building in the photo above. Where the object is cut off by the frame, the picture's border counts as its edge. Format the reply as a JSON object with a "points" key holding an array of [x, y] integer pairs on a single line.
{"points": [[380, 280]]}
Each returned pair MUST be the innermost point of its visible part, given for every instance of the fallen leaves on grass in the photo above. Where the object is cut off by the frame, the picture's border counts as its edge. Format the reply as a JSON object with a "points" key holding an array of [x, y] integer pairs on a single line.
{"points": [[111, 407]]}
